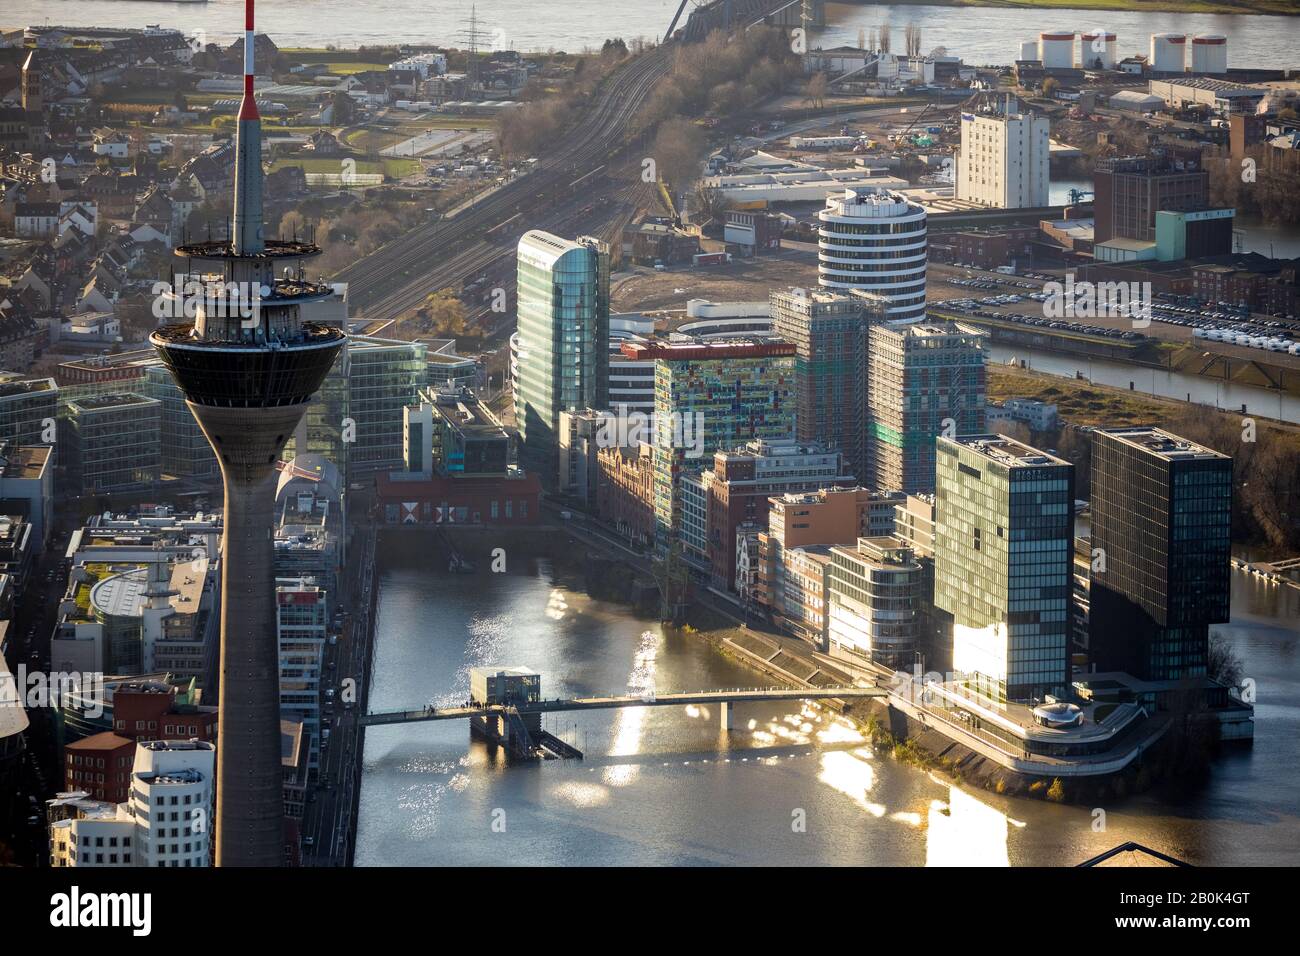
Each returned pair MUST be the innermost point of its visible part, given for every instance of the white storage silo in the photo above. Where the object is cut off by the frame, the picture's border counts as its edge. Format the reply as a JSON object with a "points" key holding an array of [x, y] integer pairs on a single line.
{"points": [[1209, 53], [1029, 50], [1056, 49], [1097, 49], [1168, 52]]}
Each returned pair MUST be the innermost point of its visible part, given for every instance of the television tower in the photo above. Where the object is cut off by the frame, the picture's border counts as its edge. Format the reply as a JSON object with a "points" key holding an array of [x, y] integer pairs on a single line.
{"points": [[248, 365]]}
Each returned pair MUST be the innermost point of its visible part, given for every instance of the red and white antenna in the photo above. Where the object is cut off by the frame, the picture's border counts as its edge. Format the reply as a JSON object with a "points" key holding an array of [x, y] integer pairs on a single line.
{"points": [[247, 218], [248, 108]]}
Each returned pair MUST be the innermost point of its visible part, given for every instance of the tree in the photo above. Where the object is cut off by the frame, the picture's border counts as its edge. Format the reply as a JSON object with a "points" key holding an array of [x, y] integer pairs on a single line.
{"points": [[1050, 86], [817, 89], [345, 110], [678, 150], [710, 203], [1223, 665], [442, 313], [293, 224]]}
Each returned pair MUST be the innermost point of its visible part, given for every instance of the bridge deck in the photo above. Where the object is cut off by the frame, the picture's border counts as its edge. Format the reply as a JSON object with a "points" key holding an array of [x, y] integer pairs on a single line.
{"points": [[628, 700]]}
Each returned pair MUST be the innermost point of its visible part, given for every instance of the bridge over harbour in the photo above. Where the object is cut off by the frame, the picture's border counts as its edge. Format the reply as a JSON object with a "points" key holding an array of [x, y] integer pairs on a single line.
{"points": [[724, 697]]}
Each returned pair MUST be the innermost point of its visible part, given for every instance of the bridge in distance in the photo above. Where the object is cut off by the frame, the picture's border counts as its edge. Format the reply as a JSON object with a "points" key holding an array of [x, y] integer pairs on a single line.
{"points": [[725, 697]]}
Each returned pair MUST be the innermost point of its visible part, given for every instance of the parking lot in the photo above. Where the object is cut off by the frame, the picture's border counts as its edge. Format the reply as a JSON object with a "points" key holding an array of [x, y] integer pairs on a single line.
{"points": [[1218, 328]]}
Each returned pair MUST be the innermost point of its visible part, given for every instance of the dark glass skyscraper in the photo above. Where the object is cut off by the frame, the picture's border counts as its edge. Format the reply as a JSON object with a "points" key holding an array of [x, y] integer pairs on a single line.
{"points": [[248, 366], [1003, 555], [1161, 537]]}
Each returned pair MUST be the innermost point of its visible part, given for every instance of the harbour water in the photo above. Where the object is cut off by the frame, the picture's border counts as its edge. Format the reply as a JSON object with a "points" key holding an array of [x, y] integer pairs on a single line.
{"points": [[979, 35], [667, 786], [1269, 403]]}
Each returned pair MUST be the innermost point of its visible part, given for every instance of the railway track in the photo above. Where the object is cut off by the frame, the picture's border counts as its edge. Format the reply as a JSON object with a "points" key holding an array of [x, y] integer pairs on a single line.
{"points": [[397, 277]]}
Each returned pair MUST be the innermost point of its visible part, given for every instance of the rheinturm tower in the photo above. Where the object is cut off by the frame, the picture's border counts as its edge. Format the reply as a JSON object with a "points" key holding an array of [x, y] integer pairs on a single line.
{"points": [[248, 364]]}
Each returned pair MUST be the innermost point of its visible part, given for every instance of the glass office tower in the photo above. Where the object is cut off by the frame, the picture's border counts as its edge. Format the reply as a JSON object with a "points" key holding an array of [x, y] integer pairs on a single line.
{"points": [[1003, 556], [1162, 536], [563, 304]]}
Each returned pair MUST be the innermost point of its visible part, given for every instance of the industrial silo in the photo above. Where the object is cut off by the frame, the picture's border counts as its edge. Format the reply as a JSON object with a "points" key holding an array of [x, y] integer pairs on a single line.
{"points": [[1029, 50], [1209, 53], [1056, 49], [1097, 50], [1168, 52]]}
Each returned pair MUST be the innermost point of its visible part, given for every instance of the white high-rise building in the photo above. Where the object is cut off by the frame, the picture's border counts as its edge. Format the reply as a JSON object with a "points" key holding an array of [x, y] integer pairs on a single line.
{"points": [[168, 820], [1004, 157], [874, 239]]}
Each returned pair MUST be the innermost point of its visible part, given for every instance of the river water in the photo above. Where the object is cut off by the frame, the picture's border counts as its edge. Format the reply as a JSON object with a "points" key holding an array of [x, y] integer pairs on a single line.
{"points": [[663, 786], [1269, 403], [979, 35]]}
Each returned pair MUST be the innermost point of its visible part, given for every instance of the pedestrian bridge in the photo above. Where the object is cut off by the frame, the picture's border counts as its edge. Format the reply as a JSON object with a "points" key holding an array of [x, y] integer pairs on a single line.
{"points": [[726, 697]]}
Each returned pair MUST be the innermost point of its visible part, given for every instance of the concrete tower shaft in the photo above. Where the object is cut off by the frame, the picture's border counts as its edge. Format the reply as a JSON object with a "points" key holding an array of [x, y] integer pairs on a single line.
{"points": [[248, 367]]}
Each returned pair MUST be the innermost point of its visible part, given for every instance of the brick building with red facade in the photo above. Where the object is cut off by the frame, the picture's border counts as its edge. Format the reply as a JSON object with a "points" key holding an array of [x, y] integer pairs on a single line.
{"points": [[507, 500], [625, 483], [156, 711], [100, 765]]}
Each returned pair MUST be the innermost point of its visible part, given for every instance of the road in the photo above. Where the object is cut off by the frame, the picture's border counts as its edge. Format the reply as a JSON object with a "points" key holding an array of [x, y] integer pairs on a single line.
{"points": [[328, 823], [397, 277]]}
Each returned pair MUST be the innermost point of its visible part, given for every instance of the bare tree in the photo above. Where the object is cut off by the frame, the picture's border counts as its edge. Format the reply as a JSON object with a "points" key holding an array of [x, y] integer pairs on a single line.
{"points": [[817, 89], [678, 150]]}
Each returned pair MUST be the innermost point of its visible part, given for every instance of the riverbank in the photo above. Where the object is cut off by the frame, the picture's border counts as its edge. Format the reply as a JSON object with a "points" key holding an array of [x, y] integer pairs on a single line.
{"points": [[1217, 7], [921, 745], [1085, 403]]}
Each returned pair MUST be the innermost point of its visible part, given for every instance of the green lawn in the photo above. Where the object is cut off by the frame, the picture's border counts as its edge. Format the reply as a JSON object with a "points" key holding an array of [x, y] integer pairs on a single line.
{"points": [[371, 139], [400, 168], [340, 62], [326, 165]]}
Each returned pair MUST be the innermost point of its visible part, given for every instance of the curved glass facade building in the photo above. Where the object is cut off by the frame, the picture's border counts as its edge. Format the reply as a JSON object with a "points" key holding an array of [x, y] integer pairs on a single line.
{"points": [[563, 289], [874, 239]]}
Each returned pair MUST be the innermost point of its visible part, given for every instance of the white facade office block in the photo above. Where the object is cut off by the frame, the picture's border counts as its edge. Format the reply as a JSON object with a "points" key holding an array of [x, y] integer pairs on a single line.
{"points": [[166, 821], [1004, 160]]}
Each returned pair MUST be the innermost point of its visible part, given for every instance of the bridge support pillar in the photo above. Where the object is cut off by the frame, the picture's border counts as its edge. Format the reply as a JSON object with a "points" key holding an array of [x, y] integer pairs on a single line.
{"points": [[726, 713]]}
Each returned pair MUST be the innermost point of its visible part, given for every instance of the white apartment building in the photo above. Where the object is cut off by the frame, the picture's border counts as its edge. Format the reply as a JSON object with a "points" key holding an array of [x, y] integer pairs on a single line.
{"points": [[1004, 158], [166, 822]]}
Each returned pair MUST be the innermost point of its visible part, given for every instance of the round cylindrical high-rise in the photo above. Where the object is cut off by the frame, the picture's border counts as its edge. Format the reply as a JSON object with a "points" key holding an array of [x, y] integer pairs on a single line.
{"points": [[874, 239]]}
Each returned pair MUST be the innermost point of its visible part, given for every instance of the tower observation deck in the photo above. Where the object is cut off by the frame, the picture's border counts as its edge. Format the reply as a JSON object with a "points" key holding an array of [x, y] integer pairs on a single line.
{"points": [[248, 365]]}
